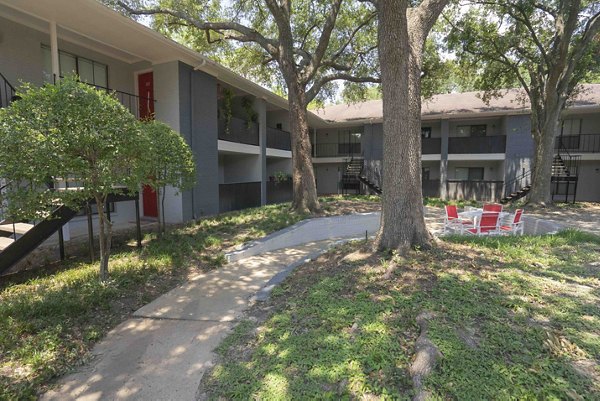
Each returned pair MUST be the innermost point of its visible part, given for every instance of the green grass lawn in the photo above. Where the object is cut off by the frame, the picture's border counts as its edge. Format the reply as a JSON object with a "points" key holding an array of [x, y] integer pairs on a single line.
{"points": [[515, 318], [49, 322]]}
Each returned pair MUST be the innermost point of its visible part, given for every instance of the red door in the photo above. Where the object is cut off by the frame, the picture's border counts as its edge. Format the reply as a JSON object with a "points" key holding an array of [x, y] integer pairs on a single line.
{"points": [[146, 108]]}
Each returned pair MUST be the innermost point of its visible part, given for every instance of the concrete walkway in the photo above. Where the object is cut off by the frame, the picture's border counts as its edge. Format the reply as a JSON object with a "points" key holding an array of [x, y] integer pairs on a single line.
{"points": [[162, 353]]}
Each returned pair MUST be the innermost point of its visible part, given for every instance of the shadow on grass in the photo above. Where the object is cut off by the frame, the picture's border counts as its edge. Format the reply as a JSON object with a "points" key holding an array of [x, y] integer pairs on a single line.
{"points": [[506, 329]]}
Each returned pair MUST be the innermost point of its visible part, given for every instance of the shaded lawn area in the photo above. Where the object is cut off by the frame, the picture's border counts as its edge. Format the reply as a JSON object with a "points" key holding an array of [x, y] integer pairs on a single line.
{"points": [[515, 318], [49, 322]]}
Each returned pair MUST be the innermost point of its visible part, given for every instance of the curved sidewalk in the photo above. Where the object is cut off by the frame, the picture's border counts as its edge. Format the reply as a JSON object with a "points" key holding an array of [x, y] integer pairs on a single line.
{"points": [[163, 351]]}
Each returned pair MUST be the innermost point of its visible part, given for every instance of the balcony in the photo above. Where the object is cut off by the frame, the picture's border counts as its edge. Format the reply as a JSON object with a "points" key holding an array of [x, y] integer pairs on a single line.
{"points": [[279, 191], [431, 146], [240, 131], [430, 188], [475, 190], [337, 149], [477, 144], [587, 143], [278, 139], [238, 196]]}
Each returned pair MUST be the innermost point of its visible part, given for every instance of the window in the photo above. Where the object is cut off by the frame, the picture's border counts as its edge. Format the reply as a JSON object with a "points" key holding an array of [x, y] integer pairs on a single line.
{"points": [[89, 71], [279, 126], [425, 132], [471, 130], [469, 173]]}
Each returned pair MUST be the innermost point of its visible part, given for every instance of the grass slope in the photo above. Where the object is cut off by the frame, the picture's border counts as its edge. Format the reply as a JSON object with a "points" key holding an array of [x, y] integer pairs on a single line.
{"points": [[516, 318], [50, 322]]}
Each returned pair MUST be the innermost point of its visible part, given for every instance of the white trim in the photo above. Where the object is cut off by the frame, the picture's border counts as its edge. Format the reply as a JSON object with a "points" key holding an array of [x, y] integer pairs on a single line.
{"points": [[284, 154], [234, 147], [431, 157], [476, 156], [587, 156], [333, 159]]}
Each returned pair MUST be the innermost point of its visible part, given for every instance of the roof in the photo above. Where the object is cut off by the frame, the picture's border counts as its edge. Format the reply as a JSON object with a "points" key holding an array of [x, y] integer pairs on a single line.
{"points": [[455, 105]]}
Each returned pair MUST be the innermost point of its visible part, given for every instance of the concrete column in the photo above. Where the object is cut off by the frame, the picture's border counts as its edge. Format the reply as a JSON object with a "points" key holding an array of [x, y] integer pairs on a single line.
{"points": [[260, 106], [54, 50], [445, 131]]}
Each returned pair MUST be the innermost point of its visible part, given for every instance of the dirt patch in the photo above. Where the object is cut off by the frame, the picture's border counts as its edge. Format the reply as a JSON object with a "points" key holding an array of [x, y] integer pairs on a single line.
{"points": [[583, 216]]}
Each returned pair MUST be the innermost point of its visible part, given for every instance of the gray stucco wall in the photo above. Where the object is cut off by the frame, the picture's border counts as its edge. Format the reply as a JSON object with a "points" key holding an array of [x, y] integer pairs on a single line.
{"points": [[372, 142], [21, 57], [199, 126], [519, 146]]}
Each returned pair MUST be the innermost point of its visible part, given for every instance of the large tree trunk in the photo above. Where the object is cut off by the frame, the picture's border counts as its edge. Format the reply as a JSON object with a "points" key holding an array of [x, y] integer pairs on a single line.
{"points": [[544, 131], [305, 190], [402, 218]]}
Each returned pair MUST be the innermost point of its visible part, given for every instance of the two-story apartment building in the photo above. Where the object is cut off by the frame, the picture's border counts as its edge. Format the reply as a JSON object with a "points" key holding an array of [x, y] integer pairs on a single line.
{"points": [[470, 149], [238, 130]]}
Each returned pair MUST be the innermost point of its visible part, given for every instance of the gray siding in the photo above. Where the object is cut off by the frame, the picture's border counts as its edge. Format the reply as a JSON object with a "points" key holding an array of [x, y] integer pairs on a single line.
{"points": [[519, 146], [199, 126]]}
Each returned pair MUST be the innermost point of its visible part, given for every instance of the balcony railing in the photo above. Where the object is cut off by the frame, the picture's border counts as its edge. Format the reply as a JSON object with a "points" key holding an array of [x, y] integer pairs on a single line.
{"points": [[7, 92], [279, 191], [239, 131], [431, 188], [586, 143], [477, 144], [337, 149], [278, 139], [239, 196], [475, 190], [431, 146]]}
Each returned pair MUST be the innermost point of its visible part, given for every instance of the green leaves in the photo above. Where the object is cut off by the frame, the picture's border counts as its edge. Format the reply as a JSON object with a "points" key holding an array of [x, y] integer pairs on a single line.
{"points": [[168, 159], [71, 132]]}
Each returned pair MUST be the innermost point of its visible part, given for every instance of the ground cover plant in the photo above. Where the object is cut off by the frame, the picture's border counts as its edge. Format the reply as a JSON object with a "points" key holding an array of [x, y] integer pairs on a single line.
{"points": [[49, 321], [512, 318]]}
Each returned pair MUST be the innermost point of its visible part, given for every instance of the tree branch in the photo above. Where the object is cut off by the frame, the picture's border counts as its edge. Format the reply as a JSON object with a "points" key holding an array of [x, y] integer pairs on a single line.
{"points": [[244, 33], [312, 93]]}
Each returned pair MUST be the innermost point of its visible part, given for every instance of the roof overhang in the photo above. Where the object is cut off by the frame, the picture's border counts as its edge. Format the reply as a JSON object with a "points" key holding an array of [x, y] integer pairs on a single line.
{"points": [[91, 24]]}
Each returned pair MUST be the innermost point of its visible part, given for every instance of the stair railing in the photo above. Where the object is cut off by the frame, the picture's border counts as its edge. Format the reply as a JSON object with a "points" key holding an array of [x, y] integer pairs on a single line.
{"points": [[7, 92], [4, 218], [517, 183]]}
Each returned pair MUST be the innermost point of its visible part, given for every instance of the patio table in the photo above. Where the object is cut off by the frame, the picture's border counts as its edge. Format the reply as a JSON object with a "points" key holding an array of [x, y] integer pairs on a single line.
{"points": [[475, 214]]}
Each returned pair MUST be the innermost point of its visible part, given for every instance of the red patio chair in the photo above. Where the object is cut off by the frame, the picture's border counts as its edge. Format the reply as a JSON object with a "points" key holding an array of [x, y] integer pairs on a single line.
{"points": [[452, 221], [492, 207], [516, 226], [487, 225]]}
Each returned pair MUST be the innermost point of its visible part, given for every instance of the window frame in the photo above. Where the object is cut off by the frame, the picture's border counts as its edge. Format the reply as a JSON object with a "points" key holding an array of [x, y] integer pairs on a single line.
{"points": [[77, 58]]}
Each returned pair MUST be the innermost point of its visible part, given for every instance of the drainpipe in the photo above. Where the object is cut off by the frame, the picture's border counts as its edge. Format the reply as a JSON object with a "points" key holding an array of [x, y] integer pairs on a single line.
{"points": [[54, 50]]}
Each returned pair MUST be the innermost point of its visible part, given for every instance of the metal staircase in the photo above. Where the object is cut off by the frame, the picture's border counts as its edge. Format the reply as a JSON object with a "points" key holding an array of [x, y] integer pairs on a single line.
{"points": [[350, 176], [18, 238], [565, 172], [368, 183]]}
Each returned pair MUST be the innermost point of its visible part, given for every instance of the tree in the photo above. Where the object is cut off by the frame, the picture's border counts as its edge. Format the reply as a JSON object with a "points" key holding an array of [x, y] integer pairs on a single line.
{"points": [[308, 43], [544, 46], [70, 131], [402, 34], [170, 162]]}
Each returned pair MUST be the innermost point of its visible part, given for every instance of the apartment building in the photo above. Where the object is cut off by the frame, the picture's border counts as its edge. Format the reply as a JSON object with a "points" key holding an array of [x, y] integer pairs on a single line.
{"points": [[238, 130], [470, 149]]}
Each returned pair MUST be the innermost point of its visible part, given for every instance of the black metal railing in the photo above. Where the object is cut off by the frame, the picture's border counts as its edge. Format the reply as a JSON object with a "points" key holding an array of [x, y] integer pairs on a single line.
{"points": [[343, 149], [518, 183], [139, 106], [431, 146], [585, 143], [278, 139], [279, 191], [238, 130], [7, 92], [430, 188], [477, 144], [238, 196], [475, 190]]}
